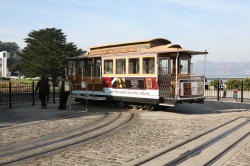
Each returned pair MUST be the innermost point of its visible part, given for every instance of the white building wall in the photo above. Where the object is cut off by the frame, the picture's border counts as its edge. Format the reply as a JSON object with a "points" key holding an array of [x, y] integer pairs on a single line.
{"points": [[4, 55]]}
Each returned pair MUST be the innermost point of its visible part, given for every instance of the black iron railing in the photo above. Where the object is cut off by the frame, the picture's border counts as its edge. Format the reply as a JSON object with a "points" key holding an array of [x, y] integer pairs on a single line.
{"points": [[219, 89], [18, 92]]}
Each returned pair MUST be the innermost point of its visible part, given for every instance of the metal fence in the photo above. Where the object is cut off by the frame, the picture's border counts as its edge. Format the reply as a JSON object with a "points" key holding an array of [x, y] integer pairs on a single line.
{"points": [[220, 91], [13, 93]]}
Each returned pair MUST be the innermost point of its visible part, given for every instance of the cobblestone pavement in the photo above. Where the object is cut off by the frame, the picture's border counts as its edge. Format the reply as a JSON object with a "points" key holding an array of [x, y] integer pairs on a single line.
{"points": [[34, 122], [149, 132], [241, 158]]}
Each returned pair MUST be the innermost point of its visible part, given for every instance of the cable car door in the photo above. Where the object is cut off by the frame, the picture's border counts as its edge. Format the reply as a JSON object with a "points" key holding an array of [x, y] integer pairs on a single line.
{"points": [[166, 81]]}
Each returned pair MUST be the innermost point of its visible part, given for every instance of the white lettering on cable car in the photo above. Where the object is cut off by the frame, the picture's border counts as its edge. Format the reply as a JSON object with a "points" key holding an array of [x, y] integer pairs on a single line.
{"points": [[152, 94]]}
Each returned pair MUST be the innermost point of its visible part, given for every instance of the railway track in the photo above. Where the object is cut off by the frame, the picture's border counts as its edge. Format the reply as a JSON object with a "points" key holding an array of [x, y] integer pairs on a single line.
{"points": [[14, 154], [204, 149], [56, 134]]}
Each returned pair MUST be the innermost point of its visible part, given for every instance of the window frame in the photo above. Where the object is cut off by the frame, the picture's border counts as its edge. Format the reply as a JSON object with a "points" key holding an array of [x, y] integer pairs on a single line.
{"points": [[125, 64], [96, 67], [188, 66], [70, 67], [80, 65], [169, 63], [154, 60], [139, 66], [104, 69]]}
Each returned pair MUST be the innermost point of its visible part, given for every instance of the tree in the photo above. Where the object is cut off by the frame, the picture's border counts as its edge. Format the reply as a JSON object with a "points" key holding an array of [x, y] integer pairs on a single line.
{"points": [[246, 84], [213, 83], [11, 47], [233, 84], [46, 53], [14, 50]]}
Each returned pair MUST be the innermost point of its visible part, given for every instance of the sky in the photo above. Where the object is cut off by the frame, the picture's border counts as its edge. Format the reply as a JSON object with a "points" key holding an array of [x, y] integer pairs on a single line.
{"points": [[222, 27]]}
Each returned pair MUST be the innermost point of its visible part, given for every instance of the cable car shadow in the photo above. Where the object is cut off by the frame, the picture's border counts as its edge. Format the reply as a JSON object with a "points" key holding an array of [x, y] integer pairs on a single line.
{"points": [[210, 107], [102, 106]]}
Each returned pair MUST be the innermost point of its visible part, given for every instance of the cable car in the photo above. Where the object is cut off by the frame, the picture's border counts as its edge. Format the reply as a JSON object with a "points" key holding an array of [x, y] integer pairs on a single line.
{"points": [[150, 72]]}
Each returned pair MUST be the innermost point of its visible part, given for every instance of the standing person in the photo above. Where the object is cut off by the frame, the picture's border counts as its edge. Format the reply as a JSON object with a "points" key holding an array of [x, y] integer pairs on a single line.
{"points": [[64, 93], [43, 87], [47, 97]]}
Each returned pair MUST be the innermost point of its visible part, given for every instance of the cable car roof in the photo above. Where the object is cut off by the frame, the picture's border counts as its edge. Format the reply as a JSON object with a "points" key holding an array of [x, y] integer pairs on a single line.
{"points": [[172, 48], [158, 45], [160, 41]]}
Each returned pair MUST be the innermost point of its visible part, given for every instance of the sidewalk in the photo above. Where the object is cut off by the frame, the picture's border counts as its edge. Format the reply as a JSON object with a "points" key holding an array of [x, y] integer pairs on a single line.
{"points": [[26, 113]]}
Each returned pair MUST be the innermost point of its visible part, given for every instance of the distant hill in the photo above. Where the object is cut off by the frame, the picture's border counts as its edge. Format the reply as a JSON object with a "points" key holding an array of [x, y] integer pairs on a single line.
{"points": [[223, 69]]}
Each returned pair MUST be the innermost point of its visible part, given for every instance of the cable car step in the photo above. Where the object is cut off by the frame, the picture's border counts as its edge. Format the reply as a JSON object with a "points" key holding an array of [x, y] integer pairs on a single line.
{"points": [[167, 104], [89, 97]]}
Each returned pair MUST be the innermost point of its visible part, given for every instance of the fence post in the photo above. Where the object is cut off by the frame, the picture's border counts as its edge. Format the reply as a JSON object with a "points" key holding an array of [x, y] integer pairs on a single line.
{"points": [[241, 96], [54, 92], [33, 93], [10, 102], [218, 90]]}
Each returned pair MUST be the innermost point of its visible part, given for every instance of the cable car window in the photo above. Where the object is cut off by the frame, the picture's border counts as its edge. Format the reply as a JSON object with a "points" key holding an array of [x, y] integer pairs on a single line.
{"points": [[134, 67], [164, 66], [97, 67], [70, 67], [80, 67], [184, 66], [121, 66], [149, 65], [89, 68], [74, 68], [108, 66]]}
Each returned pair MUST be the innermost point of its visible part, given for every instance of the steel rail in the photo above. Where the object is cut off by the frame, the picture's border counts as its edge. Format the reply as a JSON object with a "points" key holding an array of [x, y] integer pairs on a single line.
{"points": [[197, 150], [70, 144], [54, 141], [53, 135], [216, 158], [182, 143]]}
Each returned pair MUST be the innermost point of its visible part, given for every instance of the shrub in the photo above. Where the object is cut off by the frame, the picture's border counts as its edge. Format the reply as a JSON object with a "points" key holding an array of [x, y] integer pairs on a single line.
{"points": [[233, 84], [246, 84]]}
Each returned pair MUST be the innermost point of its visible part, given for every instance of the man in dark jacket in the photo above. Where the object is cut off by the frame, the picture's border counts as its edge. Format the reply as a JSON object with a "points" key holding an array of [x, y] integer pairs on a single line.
{"points": [[64, 93], [43, 87]]}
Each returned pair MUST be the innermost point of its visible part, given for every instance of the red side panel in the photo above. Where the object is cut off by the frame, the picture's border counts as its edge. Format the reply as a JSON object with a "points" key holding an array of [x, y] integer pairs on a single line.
{"points": [[107, 82], [130, 82], [151, 83]]}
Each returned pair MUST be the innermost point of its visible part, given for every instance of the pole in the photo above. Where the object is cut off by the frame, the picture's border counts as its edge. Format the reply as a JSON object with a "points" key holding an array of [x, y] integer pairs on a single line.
{"points": [[176, 75], [10, 102], [218, 90], [241, 97], [204, 70], [33, 93], [54, 91], [86, 100]]}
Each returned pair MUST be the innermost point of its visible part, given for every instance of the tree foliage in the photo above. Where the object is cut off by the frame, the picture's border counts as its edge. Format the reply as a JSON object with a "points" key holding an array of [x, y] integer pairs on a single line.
{"points": [[46, 53], [14, 50], [233, 84], [213, 83], [11, 47], [246, 84]]}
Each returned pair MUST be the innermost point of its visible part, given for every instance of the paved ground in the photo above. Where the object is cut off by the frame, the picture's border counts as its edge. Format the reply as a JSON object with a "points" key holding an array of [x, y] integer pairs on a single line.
{"points": [[240, 158], [148, 132]]}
